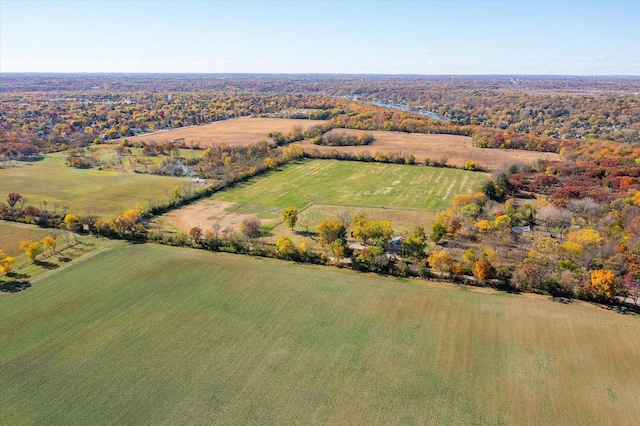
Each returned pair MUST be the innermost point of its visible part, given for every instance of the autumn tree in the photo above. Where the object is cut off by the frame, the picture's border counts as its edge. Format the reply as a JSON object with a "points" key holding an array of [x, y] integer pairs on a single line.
{"points": [[71, 222], [413, 245], [330, 230], [285, 246], [50, 243], [290, 216], [361, 228], [195, 233], [6, 262], [381, 232], [603, 282], [441, 261], [483, 269], [126, 224], [31, 248], [13, 199], [484, 226], [250, 227]]}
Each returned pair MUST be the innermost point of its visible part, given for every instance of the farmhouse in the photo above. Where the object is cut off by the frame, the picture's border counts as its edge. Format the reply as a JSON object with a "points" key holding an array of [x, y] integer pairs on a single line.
{"points": [[395, 246]]}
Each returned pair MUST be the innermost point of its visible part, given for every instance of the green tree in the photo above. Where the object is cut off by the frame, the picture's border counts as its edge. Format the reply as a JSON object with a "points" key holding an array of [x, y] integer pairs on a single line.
{"points": [[413, 245], [381, 232], [438, 231], [489, 189]]}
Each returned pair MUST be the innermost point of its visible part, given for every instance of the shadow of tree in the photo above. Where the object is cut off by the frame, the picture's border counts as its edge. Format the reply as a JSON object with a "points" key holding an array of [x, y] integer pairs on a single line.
{"points": [[14, 286], [17, 275], [64, 259], [622, 309], [46, 265], [563, 300]]}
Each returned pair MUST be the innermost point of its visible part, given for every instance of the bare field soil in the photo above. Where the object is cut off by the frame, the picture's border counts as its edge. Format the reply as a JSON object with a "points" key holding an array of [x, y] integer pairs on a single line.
{"points": [[457, 149], [210, 215], [239, 131]]}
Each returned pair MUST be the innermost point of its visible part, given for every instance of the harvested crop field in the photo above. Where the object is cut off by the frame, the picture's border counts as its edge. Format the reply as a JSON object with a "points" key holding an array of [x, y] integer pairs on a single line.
{"points": [[457, 149], [178, 336], [238, 131]]}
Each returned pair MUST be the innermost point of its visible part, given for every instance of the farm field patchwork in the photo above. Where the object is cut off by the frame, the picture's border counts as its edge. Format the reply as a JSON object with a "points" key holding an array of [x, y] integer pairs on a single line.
{"points": [[104, 193], [238, 131], [186, 336], [457, 149]]}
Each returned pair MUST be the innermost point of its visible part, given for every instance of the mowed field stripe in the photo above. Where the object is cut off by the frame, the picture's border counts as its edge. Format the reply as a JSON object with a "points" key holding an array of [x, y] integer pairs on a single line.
{"points": [[355, 184]]}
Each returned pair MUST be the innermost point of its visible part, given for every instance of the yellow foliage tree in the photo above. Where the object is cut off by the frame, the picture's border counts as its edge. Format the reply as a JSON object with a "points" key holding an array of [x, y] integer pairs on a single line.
{"points": [[49, 243], [285, 246], [603, 282], [330, 230], [70, 221], [502, 222], [31, 248], [589, 238], [484, 226], [290, 216], [6, 262], [441, 261], [574, 250]]}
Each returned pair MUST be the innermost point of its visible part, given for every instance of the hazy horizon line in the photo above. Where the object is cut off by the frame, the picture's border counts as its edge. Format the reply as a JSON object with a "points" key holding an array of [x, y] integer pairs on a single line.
{"points": [[308, 73]]}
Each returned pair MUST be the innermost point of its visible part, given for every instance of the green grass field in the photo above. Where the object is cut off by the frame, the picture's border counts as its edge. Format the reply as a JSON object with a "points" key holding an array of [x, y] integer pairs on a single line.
{"points": [[178, 336], [104, 193], [11, 234], [353, 184]]}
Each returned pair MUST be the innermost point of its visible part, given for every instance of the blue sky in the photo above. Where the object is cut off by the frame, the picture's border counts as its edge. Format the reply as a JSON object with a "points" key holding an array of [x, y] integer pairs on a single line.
{"points": [[372, 37]]}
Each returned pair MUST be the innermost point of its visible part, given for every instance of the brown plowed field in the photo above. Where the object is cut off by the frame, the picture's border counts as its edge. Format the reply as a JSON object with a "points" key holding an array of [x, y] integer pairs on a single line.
{"points": [[239, 131], [457, 149]]}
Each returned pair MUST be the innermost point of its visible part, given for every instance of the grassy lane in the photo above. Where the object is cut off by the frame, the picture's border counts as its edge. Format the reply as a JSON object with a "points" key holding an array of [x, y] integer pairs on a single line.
{"points": [[184, 336]]}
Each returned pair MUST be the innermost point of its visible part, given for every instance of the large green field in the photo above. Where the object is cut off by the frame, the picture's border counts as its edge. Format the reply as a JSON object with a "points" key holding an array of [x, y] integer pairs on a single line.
{"points": [[178, 336], [103, 193], [354, 184]]}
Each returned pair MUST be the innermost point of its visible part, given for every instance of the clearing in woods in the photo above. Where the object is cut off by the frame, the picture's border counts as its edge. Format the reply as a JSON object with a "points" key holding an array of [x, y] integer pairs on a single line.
{"points": [[186, 336], [238, 131], [409, 194], [457, 149]]}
